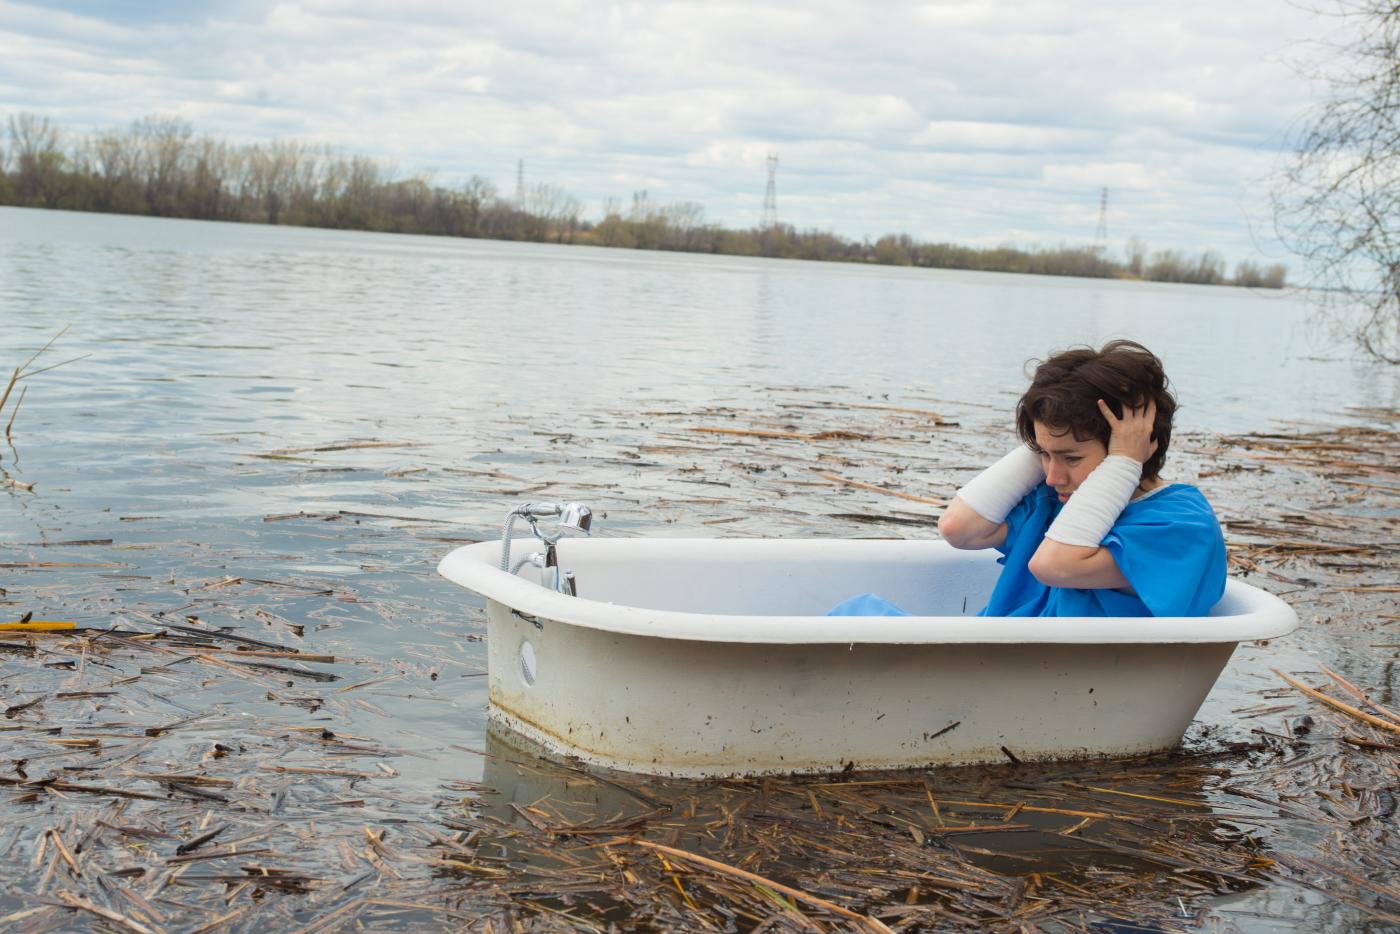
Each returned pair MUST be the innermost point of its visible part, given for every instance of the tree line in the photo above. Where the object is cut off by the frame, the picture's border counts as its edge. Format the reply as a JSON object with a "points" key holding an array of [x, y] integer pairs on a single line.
{"points": [[158, 166]]}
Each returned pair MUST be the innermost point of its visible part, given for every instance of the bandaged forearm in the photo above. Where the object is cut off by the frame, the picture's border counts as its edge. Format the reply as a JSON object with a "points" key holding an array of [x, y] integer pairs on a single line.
{"points": [[995, 491], [1097, 503]]}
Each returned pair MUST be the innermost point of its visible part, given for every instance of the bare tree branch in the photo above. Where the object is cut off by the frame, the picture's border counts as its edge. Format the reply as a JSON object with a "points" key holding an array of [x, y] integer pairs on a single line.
{"points": [[1337, 204]]}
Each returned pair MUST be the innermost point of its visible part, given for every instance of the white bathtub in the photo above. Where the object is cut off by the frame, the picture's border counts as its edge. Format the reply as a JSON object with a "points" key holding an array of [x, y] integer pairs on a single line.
{"points": [[712, 657]]}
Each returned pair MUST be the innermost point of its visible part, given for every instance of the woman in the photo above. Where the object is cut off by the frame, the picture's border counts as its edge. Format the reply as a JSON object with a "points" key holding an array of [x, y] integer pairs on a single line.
{"points": [[1084, 522]]}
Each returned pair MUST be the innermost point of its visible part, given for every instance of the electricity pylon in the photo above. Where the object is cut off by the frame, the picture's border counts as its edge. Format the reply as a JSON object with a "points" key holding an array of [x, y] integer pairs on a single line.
{"points": [[770, 197], [1101, 234]]}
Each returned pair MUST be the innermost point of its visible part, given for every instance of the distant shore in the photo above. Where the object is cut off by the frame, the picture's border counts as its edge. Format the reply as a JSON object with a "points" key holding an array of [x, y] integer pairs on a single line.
{"points": [[159, 167]]}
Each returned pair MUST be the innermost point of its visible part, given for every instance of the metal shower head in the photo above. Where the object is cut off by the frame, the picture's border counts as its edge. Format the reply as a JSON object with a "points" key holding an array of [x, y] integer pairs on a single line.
{"points": [[576, 517]]}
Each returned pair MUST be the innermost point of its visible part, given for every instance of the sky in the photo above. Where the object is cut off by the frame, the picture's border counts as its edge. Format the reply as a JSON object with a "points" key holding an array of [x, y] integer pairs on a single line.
{"points": [[984, 123]]}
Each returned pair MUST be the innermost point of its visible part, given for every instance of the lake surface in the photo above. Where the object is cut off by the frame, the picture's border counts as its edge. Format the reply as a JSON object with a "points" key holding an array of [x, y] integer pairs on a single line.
{"points": [[331, 329], [210, 345], [283, 429]]}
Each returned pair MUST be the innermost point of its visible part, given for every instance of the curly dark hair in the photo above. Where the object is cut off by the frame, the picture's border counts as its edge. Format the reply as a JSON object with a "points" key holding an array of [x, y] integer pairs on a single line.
{"points": [[1066, 387]]}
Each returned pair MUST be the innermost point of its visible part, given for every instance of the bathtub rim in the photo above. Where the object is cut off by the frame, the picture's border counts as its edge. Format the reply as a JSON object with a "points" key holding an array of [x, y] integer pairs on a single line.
{"points": [[476, 567]]}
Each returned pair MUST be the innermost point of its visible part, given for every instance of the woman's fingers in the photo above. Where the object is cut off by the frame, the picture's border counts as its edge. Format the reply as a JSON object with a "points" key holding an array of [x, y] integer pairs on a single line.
{"points": [[1131, 434], [1147, 412]]}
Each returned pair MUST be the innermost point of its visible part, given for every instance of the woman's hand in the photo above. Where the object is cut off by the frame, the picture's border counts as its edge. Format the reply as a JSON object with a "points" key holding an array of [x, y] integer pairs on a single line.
{"points": [[1131, 435]]}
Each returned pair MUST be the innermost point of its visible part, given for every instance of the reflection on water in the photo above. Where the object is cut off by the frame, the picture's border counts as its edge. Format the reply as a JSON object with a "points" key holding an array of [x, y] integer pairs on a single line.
{"points": [[523, 787], [919, 839]]}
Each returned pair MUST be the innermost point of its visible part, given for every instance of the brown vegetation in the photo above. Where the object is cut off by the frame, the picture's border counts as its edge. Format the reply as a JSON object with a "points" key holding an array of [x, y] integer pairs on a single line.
{"points": [[159, 167], [139, 795]]}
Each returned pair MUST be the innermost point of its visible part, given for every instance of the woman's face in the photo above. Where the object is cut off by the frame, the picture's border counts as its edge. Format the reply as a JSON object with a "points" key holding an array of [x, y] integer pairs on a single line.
{"points": [[1067, 461]]}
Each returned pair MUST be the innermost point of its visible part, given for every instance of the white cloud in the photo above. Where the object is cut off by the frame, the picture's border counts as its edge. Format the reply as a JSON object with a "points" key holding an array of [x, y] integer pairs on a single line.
{"points": [[1107, 174], [976, 136], [964, 121]]}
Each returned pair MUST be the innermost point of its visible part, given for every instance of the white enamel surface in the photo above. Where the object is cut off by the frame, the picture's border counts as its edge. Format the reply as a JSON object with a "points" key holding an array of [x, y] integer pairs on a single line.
{"points": [[775, 590], [713, 659]]}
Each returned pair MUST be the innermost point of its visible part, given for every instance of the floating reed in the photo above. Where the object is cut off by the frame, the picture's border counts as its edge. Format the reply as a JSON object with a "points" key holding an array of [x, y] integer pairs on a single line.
{"points": [[137, 793]]}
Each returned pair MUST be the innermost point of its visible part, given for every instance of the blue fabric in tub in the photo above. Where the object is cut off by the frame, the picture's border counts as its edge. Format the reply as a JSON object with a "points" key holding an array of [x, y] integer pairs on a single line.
{"points": [[866, 604]]}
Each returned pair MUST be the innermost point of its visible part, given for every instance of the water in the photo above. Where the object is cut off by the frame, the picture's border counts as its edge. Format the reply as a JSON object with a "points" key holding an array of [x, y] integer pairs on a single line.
{"points": [[326, 330], [217, 355], [211, 345]]}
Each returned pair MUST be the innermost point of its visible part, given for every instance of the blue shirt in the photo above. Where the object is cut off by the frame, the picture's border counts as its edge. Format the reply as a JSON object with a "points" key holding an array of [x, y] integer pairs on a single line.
{"points": [[1168, 545]]}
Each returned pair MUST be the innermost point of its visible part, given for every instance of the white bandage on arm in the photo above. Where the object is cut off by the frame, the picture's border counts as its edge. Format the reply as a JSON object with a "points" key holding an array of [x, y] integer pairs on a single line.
{"points": [[995, 491], [1097, 503]]}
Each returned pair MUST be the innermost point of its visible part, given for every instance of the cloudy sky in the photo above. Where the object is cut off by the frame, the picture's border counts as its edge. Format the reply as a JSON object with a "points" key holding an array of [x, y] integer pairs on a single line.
{"points": [[975, 122]]}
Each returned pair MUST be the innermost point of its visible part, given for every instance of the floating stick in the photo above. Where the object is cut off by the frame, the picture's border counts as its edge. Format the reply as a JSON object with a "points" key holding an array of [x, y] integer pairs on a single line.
{"points": [[873, 924], [1333, 702], [1357, 693], [836, 478]]}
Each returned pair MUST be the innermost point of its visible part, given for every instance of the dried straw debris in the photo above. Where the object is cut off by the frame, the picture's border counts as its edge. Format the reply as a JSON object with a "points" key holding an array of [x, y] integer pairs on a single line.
{"points": [[137, 795]]}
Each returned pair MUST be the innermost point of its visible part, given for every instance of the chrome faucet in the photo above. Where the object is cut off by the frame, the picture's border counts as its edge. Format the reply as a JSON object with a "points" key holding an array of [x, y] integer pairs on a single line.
{"points": [[573, 517]]}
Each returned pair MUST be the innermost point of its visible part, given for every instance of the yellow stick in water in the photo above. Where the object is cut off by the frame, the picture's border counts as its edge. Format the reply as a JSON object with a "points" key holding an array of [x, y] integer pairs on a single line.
{"points": [[38, 625]]}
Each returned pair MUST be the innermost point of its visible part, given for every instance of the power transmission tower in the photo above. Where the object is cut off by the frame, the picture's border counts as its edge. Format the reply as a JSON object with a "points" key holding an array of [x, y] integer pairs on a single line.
{"points": [[770, 197], [520, 183], [1101, 234]]}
